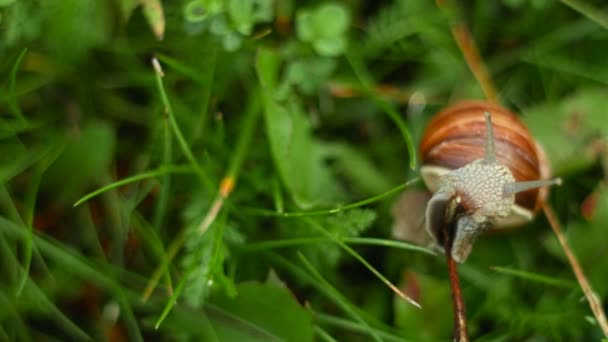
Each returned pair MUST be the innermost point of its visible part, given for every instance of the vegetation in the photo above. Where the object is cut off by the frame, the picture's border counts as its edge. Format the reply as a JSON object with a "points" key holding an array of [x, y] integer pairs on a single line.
{"points": [[224, 170]]}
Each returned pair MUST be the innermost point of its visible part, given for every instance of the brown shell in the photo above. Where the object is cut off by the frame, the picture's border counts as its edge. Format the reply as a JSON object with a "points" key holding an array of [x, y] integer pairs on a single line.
{"points": [[456, 136]]}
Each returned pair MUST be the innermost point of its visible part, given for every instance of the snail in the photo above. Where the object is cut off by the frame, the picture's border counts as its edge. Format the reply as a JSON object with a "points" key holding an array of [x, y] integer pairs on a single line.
{"points": [[484, 170]]}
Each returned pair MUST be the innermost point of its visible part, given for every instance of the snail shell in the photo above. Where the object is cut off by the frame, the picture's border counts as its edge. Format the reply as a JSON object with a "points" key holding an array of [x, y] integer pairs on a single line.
{"points": [[456, 136]]}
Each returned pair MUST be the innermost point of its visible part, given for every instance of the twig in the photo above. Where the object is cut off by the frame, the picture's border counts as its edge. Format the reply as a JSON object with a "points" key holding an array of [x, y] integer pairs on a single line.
{"points": [[594, 302], [460, 316], [469, 50]]}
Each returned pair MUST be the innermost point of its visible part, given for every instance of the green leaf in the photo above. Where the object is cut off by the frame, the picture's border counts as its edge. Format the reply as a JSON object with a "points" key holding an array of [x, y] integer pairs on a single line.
{"points": [[260, 312], [241, 13], [304, 26], [298, 156], [574, 120], [331, 20], [330, 46], [83, 23], [309, 74], [360, 171]]}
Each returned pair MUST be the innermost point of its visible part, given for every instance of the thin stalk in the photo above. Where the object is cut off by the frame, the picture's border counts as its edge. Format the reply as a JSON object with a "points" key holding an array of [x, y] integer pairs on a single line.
{"points": [[460, 316], [594, 302], [163, 170], [203, 177], [469, 50]]}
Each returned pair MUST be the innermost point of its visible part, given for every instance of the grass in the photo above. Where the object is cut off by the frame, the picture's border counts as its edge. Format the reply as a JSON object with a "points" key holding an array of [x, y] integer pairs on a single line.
{"points": [[234, 180]]}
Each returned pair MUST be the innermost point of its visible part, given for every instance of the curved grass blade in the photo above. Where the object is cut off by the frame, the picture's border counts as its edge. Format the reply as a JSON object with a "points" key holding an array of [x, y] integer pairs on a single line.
{"points": [[258, 246], [316, 280], [535, 277], [266, 212], [163, 170], [362, 260], [13, 104], [203, 177], [77, 264], [368, 84], [592, 13]]}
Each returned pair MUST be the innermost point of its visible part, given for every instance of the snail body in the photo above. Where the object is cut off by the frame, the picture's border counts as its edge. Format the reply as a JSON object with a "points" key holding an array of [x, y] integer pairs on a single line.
{"points": [[485, 171], [456, 136]]}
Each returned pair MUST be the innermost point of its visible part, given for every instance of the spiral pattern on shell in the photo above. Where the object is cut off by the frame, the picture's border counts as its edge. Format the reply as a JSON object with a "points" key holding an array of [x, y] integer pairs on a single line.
{"points": [[456, 136]]}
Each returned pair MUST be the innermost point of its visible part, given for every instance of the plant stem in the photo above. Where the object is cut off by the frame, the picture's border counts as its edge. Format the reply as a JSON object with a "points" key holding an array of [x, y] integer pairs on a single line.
{"points": [[469, 50], [460, 317], [594, 302]]}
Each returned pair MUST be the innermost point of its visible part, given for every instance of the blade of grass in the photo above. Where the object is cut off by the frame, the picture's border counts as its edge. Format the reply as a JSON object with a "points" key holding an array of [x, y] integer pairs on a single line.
{"points": [[160, 209], [174, 296], [353, 326], [32, 292], [184, 69], [594, 302], [266, 212], [471, 54], [163, 170], [264, 245], [19, 331], [226, 187], [203, 177], [362, 260], [591, 12], [316, 280], [535, 277], [13, 103], [324, 335], [77, 264], [368, 84], [30, 205]]}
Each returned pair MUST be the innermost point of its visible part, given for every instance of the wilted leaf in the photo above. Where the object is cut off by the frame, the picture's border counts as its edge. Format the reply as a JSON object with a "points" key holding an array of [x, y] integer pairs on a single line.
{"points": [[153, 11]]}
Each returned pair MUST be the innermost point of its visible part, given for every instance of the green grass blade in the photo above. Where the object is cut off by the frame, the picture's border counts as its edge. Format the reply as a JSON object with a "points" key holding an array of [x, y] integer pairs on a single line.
{"points": [[368, 84], [76, 264], [594, 14], [163, 170], [343, 302], [535, 277], [354, 326], [32, 293], [203, 177], [282, 243], [13, 102], [30, 207], [362, 260], [266, 212], [324, 335], [160, 210], [326, 288]]}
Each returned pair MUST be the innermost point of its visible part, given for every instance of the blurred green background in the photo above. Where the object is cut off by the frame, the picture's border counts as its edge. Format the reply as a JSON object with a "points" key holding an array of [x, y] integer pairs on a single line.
{"points": [[305, 106]]}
